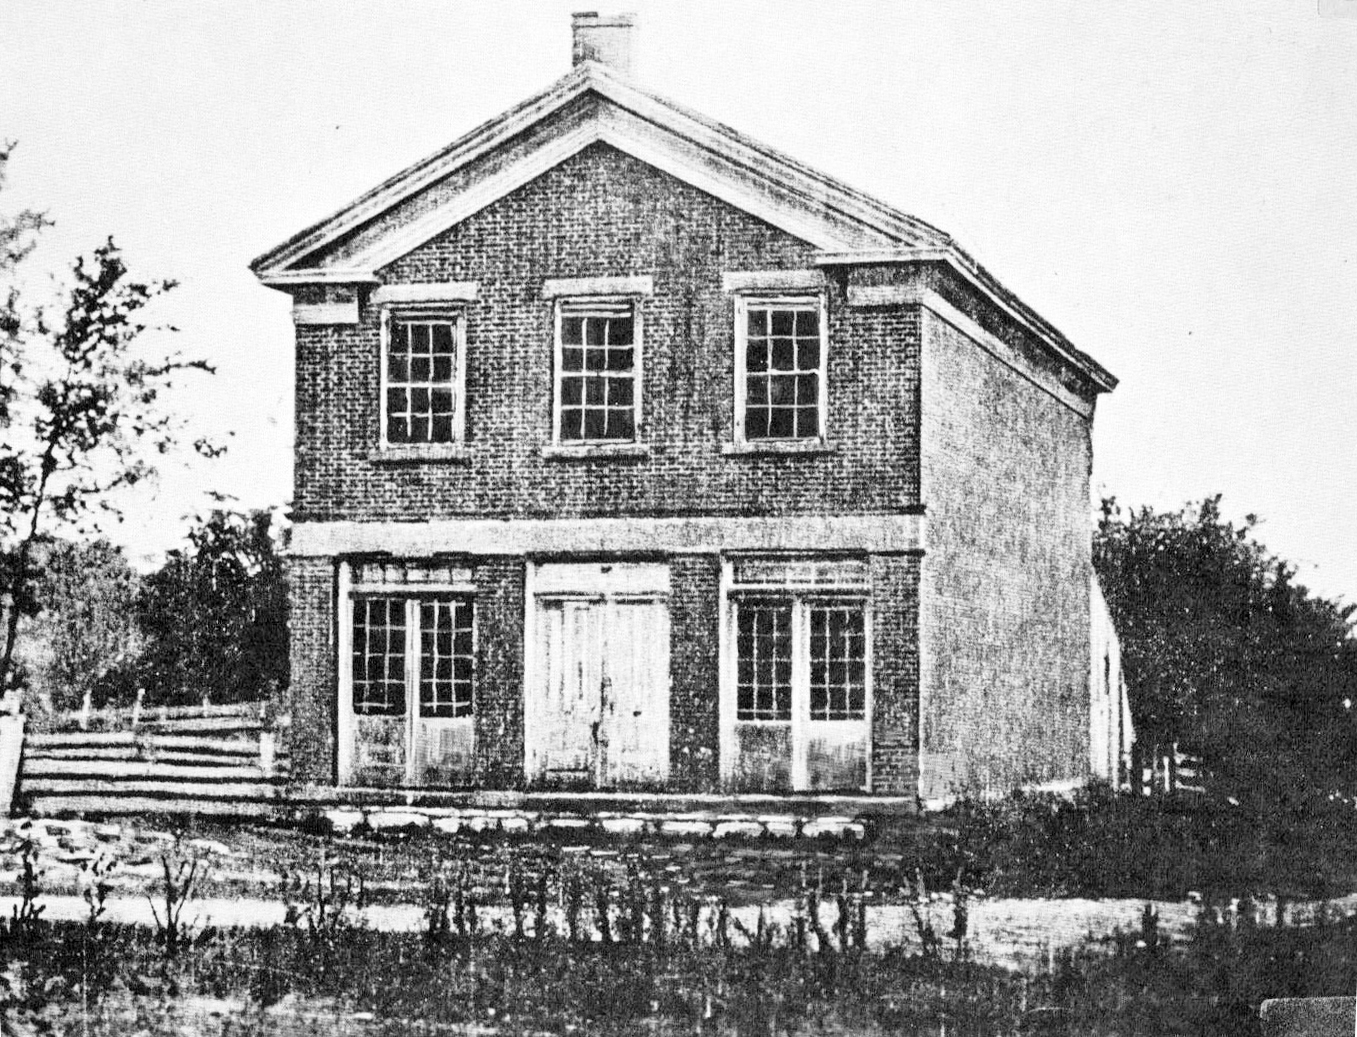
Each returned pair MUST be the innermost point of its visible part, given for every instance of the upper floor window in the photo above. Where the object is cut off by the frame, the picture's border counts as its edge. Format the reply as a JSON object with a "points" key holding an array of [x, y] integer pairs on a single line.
{"points": [[598, 371], [780, 369], [422, 375]]}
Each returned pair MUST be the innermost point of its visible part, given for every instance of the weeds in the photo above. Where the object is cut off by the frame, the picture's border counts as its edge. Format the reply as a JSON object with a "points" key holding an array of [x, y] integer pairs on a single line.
{"points": [[328, 903], [95, 888], [580, 946], [28, 911], [179, 886]]}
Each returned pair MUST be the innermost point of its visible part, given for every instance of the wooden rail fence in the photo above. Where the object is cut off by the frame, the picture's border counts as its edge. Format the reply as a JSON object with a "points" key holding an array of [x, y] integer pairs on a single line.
{"points": [[228, 759], [1167, 768]]}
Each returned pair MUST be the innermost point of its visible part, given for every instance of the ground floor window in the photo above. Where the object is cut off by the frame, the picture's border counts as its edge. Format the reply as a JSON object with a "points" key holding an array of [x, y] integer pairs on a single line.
{"points": [[798, 684], [407, 694], [433, 633], [832, 645]]}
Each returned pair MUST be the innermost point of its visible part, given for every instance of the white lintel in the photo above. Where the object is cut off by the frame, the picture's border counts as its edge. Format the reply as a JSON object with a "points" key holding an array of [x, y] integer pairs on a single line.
{"points": [[771, 280], [563, 287]]}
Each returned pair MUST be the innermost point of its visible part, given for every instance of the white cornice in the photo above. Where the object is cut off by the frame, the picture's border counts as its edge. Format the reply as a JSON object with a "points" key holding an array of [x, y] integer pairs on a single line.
{"points": [[647, 143], [319, 275], [992, 292], [996, 347], [702, 139]]}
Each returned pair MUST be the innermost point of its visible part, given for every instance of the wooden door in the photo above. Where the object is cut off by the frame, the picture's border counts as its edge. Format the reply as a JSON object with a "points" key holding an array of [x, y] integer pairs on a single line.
{"points": [[597, 709], [569, 705], [634, 734]]}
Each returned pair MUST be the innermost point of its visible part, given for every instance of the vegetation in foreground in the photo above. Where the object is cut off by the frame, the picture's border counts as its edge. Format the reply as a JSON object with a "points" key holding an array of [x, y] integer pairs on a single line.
{"points": [[1100, 843], [640, 962]]}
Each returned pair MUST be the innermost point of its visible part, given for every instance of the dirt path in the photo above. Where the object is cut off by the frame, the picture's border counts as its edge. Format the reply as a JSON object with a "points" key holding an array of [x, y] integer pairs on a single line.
{"points": [[1009, 932]]}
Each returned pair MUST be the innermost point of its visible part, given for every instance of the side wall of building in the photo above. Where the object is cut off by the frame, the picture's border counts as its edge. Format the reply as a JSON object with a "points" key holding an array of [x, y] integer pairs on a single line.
{"points": [[1004, 591]]}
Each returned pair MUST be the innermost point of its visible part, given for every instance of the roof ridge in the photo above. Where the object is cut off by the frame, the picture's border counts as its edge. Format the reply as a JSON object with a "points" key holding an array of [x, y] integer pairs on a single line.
{"points": [[599, 71]]}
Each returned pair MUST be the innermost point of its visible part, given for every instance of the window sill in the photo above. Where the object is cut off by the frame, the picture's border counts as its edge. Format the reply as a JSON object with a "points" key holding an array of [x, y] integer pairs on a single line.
{"points": [[455, 453], [594, 451], [778, 446]]}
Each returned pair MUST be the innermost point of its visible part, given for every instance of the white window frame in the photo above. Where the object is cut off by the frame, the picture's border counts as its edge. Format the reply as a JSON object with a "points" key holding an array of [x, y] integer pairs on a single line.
{"points": [[743, 302], [349, 591], [802, 598], [558, 371], [441, 312]]}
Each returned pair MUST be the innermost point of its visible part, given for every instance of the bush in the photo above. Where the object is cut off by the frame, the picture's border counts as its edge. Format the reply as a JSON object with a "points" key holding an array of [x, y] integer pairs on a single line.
{"points": [[1101, 843]]}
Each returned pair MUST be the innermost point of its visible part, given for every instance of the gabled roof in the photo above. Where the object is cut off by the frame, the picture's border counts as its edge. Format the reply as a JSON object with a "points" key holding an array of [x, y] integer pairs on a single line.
{"points": [[592, 104]]}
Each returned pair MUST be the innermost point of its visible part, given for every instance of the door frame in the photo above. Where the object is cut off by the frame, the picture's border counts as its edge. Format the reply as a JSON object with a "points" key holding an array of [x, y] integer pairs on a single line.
{"points": [[349, 590], [851, 589], [602, 581]]}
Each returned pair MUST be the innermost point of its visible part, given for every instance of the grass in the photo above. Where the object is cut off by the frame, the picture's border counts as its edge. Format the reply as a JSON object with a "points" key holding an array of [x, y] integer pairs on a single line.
{"points": [[625, 937]]}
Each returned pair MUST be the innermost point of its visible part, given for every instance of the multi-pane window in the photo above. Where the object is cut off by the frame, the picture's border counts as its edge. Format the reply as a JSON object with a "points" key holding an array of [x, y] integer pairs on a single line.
{"points": [[764, 661], [838, 662], [435, 633], [445, 657], [597, 377], [782, 369], [821, 645], [422, 369], [379, 657]]}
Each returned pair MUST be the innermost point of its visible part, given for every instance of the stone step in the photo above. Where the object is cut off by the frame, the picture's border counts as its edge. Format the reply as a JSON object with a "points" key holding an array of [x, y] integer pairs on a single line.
{"points": [[688, 825]]}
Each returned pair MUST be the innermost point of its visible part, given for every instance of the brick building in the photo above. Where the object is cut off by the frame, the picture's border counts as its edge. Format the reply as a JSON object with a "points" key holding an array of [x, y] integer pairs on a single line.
{"points": [[618, 435]]}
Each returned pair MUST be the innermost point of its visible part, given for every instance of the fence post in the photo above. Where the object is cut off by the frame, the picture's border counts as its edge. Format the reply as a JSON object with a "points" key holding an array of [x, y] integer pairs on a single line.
{"points": [[266, 752], [136, 707]]}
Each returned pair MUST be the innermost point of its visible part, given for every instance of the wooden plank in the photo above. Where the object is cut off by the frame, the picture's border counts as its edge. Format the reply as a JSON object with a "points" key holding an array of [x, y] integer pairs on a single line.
{"points": [[154, 754], [82, 752], [189, 725], [134, 769], [226, 709], [168, 790], [126, 759], [80, 738], [73, 719], [106, 805]]}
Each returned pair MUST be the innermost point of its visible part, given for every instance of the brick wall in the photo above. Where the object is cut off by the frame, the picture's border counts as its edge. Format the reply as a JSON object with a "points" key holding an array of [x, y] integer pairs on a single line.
{"points": [[695, 672], [311, 591], [499, 672], [1005, 581], [604, 213], [895, 674]]}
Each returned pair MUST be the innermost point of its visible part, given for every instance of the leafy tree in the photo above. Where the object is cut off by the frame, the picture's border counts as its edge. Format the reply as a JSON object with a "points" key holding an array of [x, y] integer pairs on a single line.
{"points": [[80, 408], [215, 615], [1225, 652], [82, 645]]}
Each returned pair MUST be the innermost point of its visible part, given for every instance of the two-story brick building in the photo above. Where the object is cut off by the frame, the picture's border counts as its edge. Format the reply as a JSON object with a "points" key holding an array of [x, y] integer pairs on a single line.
{"points": [[618, 438]]}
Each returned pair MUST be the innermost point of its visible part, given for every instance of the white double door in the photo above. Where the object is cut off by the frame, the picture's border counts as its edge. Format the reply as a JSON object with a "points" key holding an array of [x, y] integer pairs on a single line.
{"points": [[597, 705]]}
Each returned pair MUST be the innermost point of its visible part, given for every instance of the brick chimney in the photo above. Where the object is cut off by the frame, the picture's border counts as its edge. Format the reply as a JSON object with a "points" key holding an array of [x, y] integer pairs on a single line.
{"points": [[606, 39]]}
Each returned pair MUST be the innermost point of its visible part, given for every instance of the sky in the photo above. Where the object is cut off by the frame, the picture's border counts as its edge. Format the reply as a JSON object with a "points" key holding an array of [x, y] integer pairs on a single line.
{"points": [[1172, 185]]}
